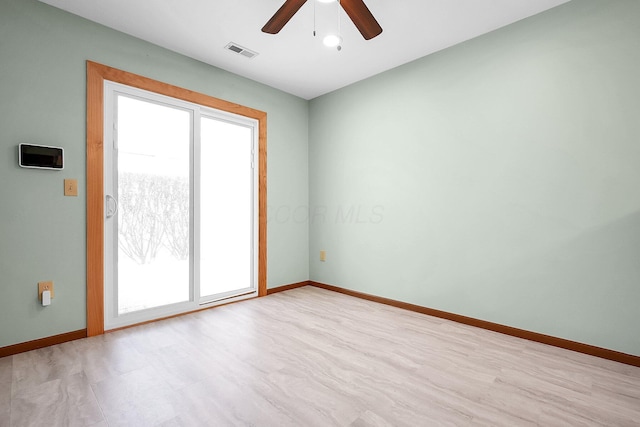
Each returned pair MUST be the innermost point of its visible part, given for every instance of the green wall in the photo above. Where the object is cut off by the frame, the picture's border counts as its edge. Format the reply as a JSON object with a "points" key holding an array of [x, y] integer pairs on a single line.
{"points": [[498, 179], [43, 52]]}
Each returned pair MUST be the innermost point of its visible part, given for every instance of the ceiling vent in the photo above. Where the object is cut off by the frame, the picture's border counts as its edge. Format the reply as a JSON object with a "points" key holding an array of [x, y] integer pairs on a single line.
{"points": [[233, 47]]}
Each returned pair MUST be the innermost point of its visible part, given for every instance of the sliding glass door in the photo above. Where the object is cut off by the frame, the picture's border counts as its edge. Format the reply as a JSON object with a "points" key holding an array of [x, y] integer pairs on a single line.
{"points": [[180, 206]]}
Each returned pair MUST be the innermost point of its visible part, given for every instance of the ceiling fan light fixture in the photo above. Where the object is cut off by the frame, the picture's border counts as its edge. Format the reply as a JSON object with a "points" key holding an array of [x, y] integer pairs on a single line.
{"points": [[357, 11], [327, 1], [332, 40]]}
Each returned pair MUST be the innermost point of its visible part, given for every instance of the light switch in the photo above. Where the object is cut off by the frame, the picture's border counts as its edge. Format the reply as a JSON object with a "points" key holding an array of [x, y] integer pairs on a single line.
{"points": [[323, 256], [70, 187]]}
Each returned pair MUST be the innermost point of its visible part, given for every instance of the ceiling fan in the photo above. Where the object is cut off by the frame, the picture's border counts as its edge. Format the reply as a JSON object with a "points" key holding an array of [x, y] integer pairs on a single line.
{"points": [[356, 9]]}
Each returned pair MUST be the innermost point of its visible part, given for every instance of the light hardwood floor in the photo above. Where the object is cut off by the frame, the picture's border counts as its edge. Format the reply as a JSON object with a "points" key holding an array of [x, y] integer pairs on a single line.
{"points": [[311, 357]]}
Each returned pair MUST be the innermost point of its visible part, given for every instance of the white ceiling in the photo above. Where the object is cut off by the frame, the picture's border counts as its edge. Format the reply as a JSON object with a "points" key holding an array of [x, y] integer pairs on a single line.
{"points": [[294, 60]]}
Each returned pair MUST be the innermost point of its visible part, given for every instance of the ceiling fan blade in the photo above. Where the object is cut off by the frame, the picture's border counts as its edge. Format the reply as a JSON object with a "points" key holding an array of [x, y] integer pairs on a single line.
{"points": [[282, 16], [362, 18]]}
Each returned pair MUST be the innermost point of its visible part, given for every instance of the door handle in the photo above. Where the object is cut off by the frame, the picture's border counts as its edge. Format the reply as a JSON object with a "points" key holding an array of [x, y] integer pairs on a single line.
{"points": [[111, 206]]}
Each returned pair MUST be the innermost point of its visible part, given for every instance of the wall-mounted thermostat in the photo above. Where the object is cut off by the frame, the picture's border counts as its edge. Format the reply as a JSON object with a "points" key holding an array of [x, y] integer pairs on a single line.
{"points": [[40, 156]]}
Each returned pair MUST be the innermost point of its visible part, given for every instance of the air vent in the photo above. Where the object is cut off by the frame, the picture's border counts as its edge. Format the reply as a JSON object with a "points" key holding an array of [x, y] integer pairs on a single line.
{"points": [[233, 47]]}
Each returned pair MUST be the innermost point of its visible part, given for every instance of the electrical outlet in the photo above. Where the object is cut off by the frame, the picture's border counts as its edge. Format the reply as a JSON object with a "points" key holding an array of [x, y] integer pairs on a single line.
{"points": [[70, 187], [323, 256], [45, 286]]}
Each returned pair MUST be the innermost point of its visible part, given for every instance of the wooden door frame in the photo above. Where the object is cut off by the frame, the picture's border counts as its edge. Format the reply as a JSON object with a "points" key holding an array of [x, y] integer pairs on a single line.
{"points": [[96, 75]]}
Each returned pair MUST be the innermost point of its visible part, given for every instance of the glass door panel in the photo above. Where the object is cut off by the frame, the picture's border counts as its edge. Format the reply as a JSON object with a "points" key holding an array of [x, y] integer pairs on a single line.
{"points": [[226, 209], [153, 194]]}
